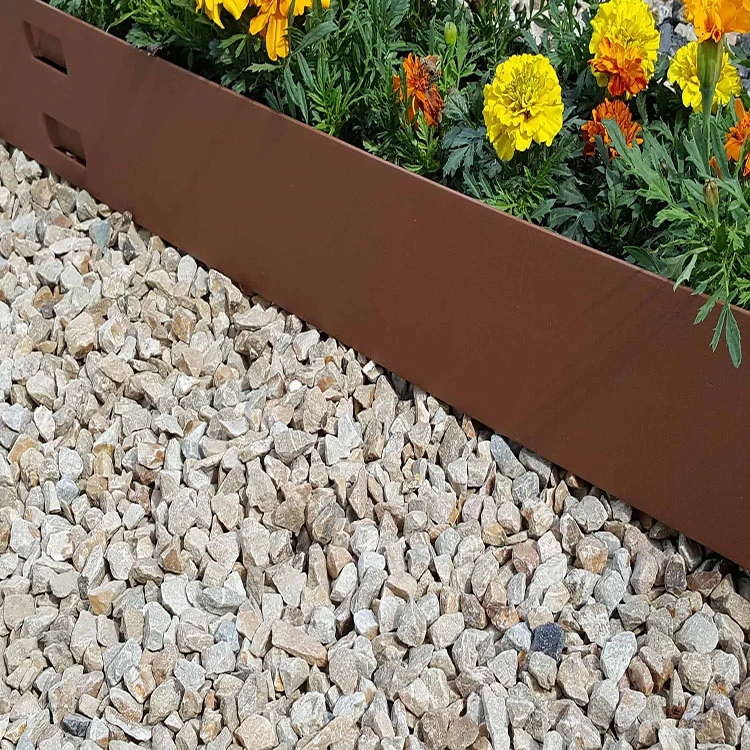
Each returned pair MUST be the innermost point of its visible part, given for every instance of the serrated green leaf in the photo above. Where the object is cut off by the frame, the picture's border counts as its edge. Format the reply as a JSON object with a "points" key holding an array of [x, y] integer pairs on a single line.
{"points": [[719, 326], [706, 308], [230, 40], [316, 34], [734, 340], [685, 274], [454, 161], [306, 73], [261, 67], [644, 259], [397, 9]]}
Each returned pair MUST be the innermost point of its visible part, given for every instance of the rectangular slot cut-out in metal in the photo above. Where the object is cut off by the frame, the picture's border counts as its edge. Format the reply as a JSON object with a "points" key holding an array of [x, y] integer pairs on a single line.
{"points": [[65, 139], [46, 47]]}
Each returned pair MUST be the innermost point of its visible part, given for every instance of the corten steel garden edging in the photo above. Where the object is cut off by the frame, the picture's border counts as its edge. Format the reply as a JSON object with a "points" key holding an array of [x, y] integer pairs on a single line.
{"points": [[581, 357]]}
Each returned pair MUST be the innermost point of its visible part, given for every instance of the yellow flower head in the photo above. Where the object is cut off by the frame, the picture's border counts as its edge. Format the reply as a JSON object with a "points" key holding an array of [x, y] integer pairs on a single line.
{"points": [[714, 18], [272, 22], [522, 104], [213, 8], [683, 71], [624, 45]]}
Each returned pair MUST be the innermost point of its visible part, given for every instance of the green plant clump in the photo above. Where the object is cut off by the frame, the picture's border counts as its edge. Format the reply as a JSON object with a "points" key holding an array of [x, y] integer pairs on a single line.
{"points": [[530, 110]]}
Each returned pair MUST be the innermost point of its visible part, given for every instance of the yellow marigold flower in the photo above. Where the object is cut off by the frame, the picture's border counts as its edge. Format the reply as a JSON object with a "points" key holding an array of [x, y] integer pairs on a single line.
{"points": [[522, 104], [714, 18], [272, 22], [303, 5], [683, 71], [610, 109], [624, 45], [213, 8]]}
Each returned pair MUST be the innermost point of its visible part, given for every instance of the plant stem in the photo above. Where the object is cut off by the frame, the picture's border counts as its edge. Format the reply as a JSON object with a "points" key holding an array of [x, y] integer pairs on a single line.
{"points": [[709, 70]]}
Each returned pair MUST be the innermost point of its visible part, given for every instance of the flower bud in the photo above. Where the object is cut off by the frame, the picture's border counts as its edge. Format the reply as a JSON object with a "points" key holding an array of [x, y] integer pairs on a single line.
{"points": [[711, 194], [451, 33], [709, 57]]}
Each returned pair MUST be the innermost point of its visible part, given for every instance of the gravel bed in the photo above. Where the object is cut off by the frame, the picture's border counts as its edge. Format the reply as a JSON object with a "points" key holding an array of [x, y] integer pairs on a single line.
{"points": [[220, 528]]}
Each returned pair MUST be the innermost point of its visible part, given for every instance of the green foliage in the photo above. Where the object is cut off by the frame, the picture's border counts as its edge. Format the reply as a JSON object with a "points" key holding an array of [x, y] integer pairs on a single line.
{"points": [[647, 205], [101, 13], [698, 239], [170, 27], [520, 187], [497, 33], [565, 38]]}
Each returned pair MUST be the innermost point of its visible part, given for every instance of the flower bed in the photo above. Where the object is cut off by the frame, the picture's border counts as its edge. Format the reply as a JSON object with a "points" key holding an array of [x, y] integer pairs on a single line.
{"points": [[435, 86], [581, 357]]}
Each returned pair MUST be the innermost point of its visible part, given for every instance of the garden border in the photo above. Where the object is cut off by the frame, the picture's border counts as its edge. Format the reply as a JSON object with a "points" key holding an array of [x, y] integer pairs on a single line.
{"points": [[581, 357]]}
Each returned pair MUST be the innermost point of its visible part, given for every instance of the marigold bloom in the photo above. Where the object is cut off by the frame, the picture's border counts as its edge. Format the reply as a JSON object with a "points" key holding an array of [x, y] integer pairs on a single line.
{"points": [[422, 76], [738, 137], [683, 71], [714, 18], [714, 164], [610, 109], [621, 67], [272, 22], [522, 104], [624, 45], [213, 8]]}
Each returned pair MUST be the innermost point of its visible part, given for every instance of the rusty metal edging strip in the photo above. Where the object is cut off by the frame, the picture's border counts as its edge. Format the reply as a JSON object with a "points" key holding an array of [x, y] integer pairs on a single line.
{"points": [[581, 357]]}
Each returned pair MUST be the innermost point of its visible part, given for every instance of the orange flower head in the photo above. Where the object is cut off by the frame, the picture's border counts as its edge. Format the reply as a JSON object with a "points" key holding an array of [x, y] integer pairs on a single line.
{"points": [[610, 109], [738, 136], [422, 95], [714, 164], [624, 45], [714, 18], [623, 67]]}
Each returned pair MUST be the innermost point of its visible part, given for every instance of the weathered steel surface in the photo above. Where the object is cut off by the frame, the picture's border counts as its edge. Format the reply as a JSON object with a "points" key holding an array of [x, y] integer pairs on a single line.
{"points": [[583, 358]]}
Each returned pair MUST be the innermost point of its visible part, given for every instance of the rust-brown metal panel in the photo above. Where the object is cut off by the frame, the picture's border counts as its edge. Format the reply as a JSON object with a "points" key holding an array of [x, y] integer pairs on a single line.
{"points": [[581, 357]]}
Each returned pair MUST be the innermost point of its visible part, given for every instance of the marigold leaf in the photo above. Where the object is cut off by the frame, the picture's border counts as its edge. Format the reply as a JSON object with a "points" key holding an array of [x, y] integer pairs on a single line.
{"points": [[317, 34], [719, 326], [397, 9], [261, 67], [644, 258], [673, 213], [734, 340], [230, 40], [685, 275], [306, 73]]}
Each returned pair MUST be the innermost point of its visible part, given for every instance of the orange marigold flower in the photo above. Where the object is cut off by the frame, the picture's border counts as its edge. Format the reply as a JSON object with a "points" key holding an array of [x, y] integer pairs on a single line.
{"points": [[624, 44], [738, 136], [422, 95], [714, 164], [623, 67], [714, 18], [609, 109]]}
